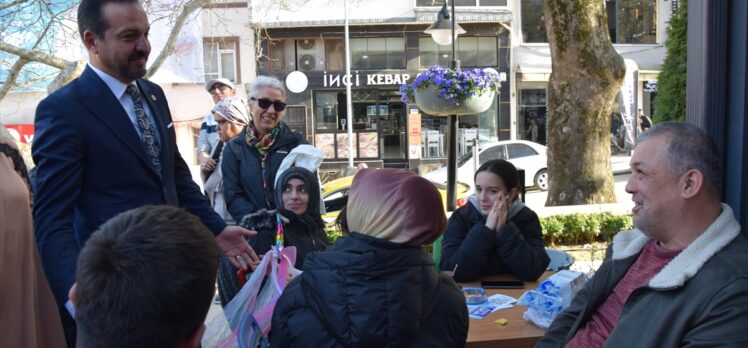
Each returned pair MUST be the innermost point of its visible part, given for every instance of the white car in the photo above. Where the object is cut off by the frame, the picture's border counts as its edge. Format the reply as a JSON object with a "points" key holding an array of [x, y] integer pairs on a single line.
{"points": [[523, 154]]}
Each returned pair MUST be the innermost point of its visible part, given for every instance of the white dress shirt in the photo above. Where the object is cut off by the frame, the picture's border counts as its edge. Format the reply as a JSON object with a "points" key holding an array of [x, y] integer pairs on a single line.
{"points": [[118, 89]]}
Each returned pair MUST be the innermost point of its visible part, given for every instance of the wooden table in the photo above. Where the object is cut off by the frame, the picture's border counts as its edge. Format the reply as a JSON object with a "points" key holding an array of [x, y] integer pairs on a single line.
{"points": [[517, 332]]}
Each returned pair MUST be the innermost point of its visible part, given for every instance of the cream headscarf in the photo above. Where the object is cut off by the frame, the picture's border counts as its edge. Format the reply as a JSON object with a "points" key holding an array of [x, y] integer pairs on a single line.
{"points": [[395, 205]]}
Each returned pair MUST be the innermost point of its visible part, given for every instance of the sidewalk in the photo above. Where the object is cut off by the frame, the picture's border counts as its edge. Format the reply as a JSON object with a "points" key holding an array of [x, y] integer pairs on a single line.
{"points": [[620, 163], [536, 199]]}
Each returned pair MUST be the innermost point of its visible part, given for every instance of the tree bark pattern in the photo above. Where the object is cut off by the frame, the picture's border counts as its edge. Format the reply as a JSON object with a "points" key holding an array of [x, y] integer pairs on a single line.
{"points": [[587, 75]]}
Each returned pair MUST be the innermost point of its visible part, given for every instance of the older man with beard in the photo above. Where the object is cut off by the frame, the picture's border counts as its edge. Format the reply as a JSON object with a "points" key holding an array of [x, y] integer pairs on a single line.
{"points": [[678, 279]]}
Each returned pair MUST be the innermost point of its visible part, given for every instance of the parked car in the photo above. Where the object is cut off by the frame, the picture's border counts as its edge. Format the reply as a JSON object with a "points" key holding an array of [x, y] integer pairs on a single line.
{"points": [[523, 154], [335, 195]]}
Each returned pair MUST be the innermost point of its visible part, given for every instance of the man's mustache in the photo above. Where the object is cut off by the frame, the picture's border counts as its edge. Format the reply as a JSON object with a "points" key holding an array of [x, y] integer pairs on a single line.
{"points": [[137, 56]]}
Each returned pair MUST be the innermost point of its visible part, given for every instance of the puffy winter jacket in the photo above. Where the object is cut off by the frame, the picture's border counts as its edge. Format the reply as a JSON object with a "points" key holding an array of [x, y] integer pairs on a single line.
{"points": [[368, 292], [516, 248], [699, 299]]}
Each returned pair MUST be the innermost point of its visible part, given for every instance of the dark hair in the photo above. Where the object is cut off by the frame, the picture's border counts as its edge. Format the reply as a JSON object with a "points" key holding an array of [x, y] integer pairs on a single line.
{"points": [[342, 222], [145, 278], [504, 169], [690, 147], [91, 18]]}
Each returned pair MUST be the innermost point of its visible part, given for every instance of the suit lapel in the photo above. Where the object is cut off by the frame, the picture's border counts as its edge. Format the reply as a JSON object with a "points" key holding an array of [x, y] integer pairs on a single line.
{"points": [[98, 98]]}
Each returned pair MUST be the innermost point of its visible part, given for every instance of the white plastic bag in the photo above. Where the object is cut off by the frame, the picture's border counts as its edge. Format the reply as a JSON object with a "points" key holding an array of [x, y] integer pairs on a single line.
{"points": [[245, 321], [551, 297]]}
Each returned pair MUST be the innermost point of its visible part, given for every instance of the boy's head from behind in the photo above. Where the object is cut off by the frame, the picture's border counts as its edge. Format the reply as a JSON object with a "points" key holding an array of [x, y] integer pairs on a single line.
{"points": [[145, 279]]}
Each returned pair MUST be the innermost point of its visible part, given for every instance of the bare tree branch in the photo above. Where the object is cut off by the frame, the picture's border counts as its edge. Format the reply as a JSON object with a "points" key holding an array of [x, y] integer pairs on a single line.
{"points": [[67, 74], [11, 4], [34, 56], [172, 41], [10, 81]]}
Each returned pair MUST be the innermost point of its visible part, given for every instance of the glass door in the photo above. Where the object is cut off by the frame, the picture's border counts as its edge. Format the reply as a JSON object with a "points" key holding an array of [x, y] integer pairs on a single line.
{"points": [[392, 126]]}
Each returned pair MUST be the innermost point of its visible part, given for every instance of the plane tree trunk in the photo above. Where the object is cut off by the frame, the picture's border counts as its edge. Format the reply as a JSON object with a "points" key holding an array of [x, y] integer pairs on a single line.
{"points": [[587, 75]]}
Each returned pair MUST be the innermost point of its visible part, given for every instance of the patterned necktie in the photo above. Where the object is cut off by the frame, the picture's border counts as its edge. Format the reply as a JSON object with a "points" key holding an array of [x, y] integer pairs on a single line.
{"points": [[147, 131]]}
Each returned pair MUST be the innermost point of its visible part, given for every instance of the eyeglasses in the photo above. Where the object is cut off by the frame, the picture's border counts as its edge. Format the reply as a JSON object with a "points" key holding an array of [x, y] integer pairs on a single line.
{"points": [[218, 88], [265, 103]]}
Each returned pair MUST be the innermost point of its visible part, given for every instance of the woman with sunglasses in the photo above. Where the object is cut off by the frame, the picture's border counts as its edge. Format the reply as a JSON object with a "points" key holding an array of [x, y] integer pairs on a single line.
{"points": [[251, 160]]}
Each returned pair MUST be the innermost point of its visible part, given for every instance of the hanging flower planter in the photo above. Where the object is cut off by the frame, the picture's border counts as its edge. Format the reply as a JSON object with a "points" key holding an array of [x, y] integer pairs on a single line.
{"points": [[429, 101], [442, 92]]}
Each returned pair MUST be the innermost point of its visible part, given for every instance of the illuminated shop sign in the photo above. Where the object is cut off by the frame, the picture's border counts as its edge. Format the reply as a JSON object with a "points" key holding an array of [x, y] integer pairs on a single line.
{"points": [[357, 80]]}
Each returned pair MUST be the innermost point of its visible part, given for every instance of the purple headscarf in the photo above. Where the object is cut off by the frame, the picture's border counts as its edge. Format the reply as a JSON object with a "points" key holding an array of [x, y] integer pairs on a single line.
{"points": [[395, 205]]}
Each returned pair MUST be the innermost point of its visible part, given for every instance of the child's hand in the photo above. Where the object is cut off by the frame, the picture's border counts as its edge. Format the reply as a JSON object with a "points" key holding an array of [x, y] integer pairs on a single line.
{"points": [[498, 214], [503, 202]]}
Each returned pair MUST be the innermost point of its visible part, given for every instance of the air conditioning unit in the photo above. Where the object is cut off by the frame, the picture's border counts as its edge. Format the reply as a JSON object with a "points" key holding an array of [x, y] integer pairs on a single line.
{"points": [[307, 62], [311, 54], [306, 44]]}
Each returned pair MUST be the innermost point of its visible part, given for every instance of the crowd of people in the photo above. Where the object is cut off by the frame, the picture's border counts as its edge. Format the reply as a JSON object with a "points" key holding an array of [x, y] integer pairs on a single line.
{"points": [[124, 250]]}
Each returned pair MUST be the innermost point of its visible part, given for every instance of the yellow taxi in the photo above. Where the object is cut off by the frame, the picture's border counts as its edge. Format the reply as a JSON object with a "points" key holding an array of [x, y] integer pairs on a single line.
{"points": [[335, 195]]}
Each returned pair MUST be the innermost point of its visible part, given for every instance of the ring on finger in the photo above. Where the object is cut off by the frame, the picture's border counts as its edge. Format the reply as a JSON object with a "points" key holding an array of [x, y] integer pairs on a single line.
{"points": [[240, 260]]}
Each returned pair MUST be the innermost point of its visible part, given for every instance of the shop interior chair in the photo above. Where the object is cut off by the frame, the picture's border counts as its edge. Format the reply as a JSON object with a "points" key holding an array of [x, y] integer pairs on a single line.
{"points": [[559, 260], [467, 140], [433, 141]]}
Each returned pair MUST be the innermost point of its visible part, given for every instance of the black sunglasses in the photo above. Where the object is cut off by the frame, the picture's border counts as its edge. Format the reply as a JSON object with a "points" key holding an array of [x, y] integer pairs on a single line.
{"points": [[265, 103]]}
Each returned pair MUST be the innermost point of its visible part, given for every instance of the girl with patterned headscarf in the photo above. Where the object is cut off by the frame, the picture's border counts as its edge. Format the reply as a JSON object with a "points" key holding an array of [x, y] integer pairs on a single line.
{"points": [[377, 286]]}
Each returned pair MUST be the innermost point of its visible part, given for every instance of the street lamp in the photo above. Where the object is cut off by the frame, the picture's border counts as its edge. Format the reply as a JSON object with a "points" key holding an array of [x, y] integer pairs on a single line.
{"points": [[444, 32], [444, 29]]}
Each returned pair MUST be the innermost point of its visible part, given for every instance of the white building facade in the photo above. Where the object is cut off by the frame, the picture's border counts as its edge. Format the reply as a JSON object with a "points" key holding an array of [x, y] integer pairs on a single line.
{"points": [[241, 39]]}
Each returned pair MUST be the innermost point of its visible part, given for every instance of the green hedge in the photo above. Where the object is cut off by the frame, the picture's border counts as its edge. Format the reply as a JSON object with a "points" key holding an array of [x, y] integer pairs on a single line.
{"points": [[576, 229], [572, 229]]}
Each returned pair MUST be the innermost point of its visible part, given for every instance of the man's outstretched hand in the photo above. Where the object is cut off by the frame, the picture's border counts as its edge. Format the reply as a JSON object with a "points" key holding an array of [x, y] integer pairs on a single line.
{"points": [[233, 244]]}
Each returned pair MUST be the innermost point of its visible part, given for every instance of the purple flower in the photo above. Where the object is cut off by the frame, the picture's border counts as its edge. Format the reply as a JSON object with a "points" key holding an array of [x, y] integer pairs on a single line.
{"points": [[454, 86]]}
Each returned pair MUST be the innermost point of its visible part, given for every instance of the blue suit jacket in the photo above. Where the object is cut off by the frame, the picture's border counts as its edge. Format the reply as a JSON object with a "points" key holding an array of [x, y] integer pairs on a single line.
{"points": [[92, 166]]}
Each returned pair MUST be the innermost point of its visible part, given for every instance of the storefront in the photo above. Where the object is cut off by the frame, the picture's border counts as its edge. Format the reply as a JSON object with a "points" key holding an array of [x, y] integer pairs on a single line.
{"points": [[386, 130], [379, 124]]}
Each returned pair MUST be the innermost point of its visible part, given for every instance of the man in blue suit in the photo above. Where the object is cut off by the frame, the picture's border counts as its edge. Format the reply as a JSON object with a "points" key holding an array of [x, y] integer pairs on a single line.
{"points": [[105, 143]]}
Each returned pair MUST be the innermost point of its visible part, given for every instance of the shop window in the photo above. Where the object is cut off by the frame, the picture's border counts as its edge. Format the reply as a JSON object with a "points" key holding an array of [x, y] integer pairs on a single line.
{"points": [[276, 54], [395, 52], [472, 51], [632, 21], [629, 21], [220, 57], [477, 51], [377, 49], [473, 3], [359, 54], [378, 53], [531, 123], [498, 3], [295, 119], [334, 54], [533, 23], [326, 111], [431, 54]]}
